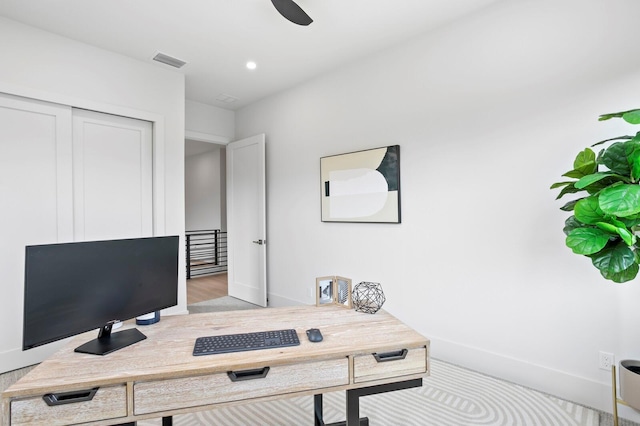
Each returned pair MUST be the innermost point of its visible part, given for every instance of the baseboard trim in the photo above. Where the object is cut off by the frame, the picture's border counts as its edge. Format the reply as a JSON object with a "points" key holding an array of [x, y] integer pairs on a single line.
{"points": [[566, 386], [276, 301]]}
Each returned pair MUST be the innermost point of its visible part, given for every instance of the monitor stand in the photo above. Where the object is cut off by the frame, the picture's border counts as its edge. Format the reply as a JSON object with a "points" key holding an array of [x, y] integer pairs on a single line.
{"points": [[108, 342]]}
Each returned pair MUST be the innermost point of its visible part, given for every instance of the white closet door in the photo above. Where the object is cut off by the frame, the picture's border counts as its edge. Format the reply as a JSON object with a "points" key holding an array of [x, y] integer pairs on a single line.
{"points": [[65, 175], [112, 168], [36, 198]]}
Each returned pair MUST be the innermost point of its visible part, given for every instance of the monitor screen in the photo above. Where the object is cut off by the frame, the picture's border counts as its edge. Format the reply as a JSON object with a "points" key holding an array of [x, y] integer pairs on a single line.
{"points": [[72, 288]]}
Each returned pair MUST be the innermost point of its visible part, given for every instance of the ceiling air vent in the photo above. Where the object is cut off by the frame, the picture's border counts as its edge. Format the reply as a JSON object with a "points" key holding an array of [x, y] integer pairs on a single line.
{"points": [[227, 99], [166, 59]]}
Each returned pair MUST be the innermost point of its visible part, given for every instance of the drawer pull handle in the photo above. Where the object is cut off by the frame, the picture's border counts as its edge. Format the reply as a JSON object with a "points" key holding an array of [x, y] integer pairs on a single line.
{"points": [[256, 373], [391, 356], [69, 397]]}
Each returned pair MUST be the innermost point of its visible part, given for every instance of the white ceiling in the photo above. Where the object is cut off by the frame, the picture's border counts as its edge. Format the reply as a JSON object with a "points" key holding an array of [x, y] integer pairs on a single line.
{"points": [[217, 37]]}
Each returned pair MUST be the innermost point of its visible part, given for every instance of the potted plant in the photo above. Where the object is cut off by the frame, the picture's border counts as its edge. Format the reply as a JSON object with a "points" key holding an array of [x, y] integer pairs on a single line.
{"points": [[606, 217]]}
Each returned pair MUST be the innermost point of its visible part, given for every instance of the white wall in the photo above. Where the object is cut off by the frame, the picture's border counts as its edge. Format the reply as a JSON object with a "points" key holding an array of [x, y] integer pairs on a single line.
{"points": [[203, 191], [209, 121], [44, 66], [488, 113], [205, 180]]}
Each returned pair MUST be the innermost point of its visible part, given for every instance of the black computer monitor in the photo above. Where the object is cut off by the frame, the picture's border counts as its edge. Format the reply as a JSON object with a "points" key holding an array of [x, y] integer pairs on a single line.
{"points": [[72, 288]]}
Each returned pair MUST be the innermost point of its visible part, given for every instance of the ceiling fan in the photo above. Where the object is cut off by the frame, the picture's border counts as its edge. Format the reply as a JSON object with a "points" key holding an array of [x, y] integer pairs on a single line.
{"points": [[290, 10]]}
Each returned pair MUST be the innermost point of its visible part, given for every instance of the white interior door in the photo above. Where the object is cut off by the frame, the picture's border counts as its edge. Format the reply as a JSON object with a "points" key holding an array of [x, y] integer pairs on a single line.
{"points": [[113, 178], [36, 197], [246, 220]]}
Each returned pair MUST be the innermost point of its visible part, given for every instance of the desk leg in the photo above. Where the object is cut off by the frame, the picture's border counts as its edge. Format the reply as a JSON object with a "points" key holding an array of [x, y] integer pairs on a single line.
{"points": [[353, 410], [166, 421], [318, 416], [353, 402], [318, 420]]}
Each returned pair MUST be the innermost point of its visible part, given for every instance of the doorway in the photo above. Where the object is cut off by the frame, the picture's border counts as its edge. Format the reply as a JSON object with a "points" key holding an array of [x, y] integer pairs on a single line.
{"points": [[243, 163], [205, 220]]}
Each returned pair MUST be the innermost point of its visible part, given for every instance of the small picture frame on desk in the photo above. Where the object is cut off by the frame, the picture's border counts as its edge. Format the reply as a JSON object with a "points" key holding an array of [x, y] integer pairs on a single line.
{"points": [[333, 290]]}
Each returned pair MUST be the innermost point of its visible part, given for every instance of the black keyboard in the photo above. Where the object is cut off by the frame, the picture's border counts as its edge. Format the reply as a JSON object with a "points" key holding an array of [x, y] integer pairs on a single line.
{"points": [[210, 345]]}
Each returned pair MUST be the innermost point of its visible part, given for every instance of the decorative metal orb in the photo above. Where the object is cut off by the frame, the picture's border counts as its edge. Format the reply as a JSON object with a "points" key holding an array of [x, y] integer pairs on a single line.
{"points": [[368, 297]]}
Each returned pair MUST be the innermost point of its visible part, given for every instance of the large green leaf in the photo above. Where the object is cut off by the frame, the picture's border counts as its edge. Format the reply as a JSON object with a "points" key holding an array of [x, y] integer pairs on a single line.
{"points": [[613, 259], [631, 221], [618, 229], [561, 184], [588, 211], [635, 167], [615, 158], [570, 205], [587, 240], [579, 173], [584, 164], [620, 114], [608, 116], [592, 178], [621, 277], [569, 189], [570, 224], [632, 145], [632, 117], [584, 158], [620, 200], [633, 157], [606, 182]]}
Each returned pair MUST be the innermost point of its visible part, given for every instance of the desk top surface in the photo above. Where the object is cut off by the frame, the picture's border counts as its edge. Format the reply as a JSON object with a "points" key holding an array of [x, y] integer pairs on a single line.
{"points": [[167, 351]]}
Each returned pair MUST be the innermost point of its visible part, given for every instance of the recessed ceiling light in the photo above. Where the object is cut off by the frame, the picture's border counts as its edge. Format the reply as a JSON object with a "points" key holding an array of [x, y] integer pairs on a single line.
{"points": [[252, 65]]}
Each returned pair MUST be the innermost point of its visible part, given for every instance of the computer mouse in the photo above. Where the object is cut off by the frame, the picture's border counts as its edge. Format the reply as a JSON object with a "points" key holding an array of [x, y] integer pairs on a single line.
{"points": [[314, 335]]}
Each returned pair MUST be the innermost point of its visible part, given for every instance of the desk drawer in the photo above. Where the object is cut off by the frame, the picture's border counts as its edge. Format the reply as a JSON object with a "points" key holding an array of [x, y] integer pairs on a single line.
{"points": [[105, 403], [389, 364], [149, 397]]}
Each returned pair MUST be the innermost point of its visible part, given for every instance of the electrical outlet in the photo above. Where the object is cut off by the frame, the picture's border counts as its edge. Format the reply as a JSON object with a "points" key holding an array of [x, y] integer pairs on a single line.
{"points": [[606, 360]]}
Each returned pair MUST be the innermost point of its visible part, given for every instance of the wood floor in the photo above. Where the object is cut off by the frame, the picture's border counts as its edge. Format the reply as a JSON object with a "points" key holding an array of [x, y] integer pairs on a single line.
{"points": [[206, 288]]}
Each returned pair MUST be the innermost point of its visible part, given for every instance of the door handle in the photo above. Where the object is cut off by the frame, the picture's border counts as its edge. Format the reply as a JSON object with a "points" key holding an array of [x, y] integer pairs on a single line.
{"points": [[260, 242]]}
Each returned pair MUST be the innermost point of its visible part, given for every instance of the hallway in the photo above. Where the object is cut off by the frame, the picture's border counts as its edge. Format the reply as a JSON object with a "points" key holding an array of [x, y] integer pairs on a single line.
{"points": [[206, 288]]}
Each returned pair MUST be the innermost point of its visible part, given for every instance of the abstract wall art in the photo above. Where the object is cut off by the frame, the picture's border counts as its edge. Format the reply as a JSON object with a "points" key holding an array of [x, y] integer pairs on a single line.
{"points": [[361, 186]]}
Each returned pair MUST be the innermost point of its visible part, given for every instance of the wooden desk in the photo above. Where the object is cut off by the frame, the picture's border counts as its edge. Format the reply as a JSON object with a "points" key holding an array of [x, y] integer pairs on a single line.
{"points": [[159, 377]]}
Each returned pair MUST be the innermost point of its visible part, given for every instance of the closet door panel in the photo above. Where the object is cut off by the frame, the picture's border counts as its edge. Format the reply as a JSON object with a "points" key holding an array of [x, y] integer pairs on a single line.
{"points": [[112, 163], [36, 193]]}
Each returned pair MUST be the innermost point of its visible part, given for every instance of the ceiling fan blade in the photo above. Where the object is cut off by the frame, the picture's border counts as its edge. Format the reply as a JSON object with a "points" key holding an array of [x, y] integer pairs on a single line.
{"points": [[290, 10]]}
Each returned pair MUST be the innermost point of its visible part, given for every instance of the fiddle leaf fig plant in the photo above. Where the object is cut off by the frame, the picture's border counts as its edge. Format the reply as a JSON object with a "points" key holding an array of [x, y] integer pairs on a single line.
{"points": [[606, 215]]}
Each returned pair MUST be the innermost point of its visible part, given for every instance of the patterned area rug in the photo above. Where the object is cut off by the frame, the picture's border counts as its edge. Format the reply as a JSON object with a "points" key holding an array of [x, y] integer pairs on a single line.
{"points": [[451, 396]]}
